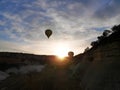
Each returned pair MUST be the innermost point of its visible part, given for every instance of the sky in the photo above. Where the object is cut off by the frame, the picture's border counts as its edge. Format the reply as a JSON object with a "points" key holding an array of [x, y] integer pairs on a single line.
{"points": [[74, 23]]}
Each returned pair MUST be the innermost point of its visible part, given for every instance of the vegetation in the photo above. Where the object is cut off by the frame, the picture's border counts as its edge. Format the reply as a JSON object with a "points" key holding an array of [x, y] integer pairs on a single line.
{"points": [[107, 36], [71, 54]]}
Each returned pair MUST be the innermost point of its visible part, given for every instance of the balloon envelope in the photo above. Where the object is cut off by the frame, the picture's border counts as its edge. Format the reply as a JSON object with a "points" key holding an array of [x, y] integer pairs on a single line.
{"points": [[48, 32]]}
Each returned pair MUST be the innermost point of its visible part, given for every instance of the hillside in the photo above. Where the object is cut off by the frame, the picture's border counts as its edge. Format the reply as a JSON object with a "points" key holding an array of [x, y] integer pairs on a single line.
{"points": [[25, 58], [98, 68]]}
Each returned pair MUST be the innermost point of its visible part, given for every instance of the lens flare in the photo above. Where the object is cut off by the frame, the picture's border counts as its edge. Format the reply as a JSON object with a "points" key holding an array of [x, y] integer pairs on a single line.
{"points": [[61, 51]]}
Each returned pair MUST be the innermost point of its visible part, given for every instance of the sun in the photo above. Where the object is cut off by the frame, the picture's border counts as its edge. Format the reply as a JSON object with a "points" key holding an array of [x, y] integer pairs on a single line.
{"points": [[61, 50]]}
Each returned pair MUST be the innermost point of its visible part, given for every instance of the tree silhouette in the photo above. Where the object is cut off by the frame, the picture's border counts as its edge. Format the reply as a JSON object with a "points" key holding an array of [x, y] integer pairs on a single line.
{"points": [[86, 49], [70, 54], [106, 33], [100, 38], [116, 28], [94, 43]]}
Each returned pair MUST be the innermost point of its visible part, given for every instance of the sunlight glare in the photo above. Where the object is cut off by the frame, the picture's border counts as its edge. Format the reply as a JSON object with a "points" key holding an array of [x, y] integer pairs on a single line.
{"points": [[61, 50]]}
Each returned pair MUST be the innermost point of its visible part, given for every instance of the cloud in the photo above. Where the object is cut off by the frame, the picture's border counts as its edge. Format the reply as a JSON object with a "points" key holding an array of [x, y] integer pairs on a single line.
{"points": [[108, 10], [10, 46], [2, 23], [74, 21], [59, 20]]}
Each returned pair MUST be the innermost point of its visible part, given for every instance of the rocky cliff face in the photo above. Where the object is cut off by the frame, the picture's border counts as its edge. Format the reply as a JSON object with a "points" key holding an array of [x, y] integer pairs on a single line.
{"points": [[109, 52], [102, 66], [104, 71]]}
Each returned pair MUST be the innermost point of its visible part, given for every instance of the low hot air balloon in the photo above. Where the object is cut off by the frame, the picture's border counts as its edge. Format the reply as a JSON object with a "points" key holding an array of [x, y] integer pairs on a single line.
{"points": [[48, 32]]}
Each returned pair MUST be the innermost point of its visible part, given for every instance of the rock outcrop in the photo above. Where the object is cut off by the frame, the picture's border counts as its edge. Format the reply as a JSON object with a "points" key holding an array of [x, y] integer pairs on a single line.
{"points": [[101, 63]]}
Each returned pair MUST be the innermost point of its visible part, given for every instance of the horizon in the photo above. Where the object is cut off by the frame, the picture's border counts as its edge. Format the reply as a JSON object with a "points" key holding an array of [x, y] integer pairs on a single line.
{"points": [[75, 24]]}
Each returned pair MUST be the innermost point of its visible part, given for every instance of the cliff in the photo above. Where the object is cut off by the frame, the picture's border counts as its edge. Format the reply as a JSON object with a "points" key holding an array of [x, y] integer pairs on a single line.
{"points": [[99, 67]]}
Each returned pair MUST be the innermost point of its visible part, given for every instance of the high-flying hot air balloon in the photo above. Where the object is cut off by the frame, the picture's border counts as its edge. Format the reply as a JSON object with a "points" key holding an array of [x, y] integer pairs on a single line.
{"points": [[48, 32]]}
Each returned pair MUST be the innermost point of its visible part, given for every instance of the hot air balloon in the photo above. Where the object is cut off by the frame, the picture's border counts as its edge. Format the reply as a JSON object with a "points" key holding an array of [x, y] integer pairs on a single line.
{"points": [[48, 32]]}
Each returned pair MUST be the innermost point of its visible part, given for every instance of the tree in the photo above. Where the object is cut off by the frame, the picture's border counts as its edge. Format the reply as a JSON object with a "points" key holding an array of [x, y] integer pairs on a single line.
{"points": [[116, 28], [106, 33], [94, 43], [70, 54], [86, 49], [100, 38]]}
